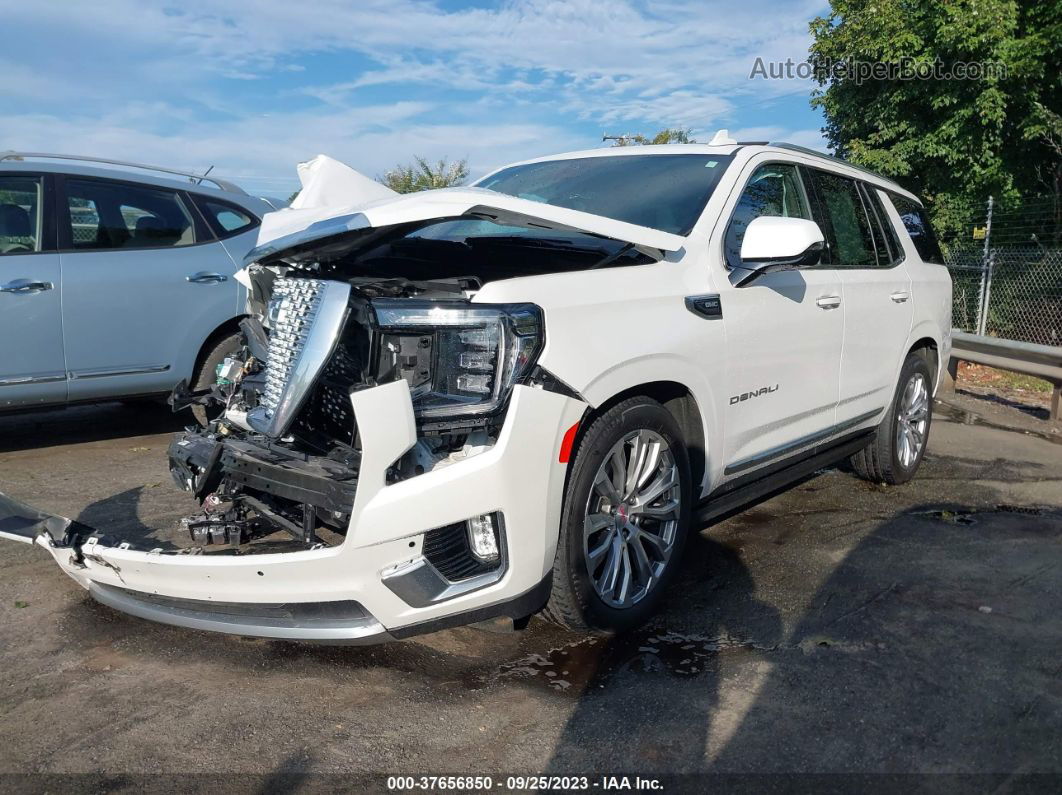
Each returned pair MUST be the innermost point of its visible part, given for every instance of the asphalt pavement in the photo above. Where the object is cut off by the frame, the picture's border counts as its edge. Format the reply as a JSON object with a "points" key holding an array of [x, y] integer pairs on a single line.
{"points": [[839, 628]]}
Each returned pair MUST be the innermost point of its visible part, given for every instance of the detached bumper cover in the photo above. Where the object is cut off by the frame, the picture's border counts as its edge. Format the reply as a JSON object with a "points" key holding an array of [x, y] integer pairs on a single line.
{"points": [[338, 594]]}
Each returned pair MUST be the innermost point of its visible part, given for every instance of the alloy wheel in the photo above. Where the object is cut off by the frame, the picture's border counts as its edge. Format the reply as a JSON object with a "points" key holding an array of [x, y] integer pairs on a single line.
{"points": [[631, 518], [912, 420]]}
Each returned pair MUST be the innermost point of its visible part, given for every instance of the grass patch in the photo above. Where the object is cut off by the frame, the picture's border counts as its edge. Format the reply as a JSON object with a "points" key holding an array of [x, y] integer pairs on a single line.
{"points": [[990, 377]]}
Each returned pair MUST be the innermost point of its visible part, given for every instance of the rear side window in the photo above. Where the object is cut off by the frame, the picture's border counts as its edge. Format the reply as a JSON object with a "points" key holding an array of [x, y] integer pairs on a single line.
{"points": [[775, 190], [892, 254], [224, 218], [848, 227], [917, 225], [110, 215], [20, 215]]}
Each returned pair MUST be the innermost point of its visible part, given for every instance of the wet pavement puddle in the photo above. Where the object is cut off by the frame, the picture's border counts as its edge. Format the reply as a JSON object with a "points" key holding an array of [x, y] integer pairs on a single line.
{"points": [[576, 666]]}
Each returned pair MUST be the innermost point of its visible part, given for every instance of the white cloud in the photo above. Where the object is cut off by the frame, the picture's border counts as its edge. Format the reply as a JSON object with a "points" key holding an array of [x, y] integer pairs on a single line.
{"points": [[495, 83]]}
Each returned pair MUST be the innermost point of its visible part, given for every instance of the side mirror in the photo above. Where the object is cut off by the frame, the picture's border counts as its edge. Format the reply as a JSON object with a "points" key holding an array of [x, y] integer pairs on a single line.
{"points": [[777, 244]]}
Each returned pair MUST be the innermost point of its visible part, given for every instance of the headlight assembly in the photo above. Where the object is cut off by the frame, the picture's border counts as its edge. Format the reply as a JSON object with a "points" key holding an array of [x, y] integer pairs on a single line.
{"points": [[460, 359]]}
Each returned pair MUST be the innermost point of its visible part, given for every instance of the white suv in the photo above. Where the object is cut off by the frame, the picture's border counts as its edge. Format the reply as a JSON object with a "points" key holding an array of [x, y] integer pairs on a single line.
{"points": [[486, 401]]}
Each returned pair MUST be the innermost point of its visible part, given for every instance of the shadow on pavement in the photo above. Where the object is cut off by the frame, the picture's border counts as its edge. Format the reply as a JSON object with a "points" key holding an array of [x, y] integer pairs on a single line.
{"points": [[932, 647], [89, 423]]}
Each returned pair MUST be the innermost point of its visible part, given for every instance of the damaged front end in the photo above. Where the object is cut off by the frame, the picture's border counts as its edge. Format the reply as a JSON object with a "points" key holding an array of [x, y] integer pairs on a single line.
{"points": [[383, 459]]}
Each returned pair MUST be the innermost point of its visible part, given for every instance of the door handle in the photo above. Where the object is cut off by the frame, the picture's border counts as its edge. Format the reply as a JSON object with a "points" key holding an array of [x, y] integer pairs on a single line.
{"points": [[900, 297], [829, 301], [25, 287], [207, 277]]}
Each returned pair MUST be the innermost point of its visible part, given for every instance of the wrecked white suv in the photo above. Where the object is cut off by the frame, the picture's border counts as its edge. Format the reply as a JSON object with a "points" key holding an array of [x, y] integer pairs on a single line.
{"points": [[522, 395]]}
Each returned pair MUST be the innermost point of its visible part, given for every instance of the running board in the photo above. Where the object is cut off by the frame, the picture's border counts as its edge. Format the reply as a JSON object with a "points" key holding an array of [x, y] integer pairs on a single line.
{"points": [[728, 499]]}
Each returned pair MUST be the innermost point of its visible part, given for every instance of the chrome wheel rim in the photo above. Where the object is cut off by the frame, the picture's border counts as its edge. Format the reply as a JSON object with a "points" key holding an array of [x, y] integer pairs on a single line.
{"points": [[912, 420], [632, 518]]}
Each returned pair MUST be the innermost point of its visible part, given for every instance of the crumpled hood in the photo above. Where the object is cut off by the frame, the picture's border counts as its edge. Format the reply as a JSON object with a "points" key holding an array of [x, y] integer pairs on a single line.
{"points": [[342, 228]]}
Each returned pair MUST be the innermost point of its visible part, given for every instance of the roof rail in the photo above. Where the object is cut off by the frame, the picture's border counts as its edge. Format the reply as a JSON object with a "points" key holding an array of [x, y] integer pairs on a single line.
{"points": [[196, 178], [809, 151]]}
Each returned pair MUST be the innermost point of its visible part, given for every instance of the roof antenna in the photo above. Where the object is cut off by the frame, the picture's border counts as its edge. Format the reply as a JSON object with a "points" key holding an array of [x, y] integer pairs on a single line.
{"points": [[200, 181], [722, 138]]}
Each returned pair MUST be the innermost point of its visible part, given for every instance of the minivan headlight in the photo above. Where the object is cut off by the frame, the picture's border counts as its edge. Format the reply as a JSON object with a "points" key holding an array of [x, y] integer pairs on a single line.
{"points": [[459, 359]]}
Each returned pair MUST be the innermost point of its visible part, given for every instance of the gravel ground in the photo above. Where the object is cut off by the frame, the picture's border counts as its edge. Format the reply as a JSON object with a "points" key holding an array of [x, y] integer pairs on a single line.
{"points": [[837, 628]]}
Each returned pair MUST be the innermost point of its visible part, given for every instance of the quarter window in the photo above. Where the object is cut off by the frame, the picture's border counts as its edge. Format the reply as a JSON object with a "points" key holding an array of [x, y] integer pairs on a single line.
{"points": [[774, 189], [226, 219], [20, 215], [848, 228], [110, 215], [917, 225]]}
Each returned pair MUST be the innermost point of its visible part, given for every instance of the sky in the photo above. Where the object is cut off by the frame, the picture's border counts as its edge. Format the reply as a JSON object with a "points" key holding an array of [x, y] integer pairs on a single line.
{"points": [[252, 87]]}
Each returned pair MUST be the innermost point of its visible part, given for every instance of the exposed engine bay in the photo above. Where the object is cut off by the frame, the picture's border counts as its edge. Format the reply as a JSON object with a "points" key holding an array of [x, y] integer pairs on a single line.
{"points": [[277, 467]]}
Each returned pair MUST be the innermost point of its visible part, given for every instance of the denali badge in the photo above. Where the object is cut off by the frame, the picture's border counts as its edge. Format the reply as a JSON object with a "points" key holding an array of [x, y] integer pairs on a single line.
{"points": [[763, 390]]}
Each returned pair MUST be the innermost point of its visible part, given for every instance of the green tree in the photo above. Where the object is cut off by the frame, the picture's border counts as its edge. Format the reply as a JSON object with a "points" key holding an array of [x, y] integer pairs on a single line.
{"points": [[422, 175], [665, 136], [953, 141]]}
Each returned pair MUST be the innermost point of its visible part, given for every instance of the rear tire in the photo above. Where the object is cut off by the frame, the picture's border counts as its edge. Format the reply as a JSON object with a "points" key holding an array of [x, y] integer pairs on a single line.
{"points": [[206, 376], [895, 453], [621, 538]]}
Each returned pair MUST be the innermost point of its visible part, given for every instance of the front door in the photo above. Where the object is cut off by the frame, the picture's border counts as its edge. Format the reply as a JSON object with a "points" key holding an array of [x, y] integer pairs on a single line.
{"points": [[144, 285], [784, 335], [32, 368]]}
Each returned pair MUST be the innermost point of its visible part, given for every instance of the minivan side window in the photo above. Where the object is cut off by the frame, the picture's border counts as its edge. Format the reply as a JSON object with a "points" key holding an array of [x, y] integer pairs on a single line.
{"points": [[20, 215], [224, 218], [111, 215], [774, 189], [917, 224], [847, 225]]}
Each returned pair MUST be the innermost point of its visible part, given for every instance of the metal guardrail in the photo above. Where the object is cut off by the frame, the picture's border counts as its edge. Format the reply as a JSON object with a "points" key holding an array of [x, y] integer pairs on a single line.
{"points": [[1041, 361]]}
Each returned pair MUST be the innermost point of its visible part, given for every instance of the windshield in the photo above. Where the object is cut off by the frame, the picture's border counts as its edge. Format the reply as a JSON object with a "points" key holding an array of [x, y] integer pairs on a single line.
{"points": [[665, 192]]}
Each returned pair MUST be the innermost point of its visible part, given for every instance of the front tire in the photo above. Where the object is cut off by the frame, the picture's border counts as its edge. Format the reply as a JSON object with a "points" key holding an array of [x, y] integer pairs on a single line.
{"points": [[206, 376], [896, 451], [625, 519]]}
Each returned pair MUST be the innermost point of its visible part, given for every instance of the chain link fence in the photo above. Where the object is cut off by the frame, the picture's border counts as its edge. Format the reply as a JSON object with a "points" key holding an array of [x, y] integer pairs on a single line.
{"points": [[1006, 270]]}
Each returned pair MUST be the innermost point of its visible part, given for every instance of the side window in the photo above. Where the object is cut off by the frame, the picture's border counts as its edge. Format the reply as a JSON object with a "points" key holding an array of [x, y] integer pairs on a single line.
{"points": [[109, 215], [773, 189], [917, 225], [20, 214], [894, 250], [224, 218], [848, 228]]}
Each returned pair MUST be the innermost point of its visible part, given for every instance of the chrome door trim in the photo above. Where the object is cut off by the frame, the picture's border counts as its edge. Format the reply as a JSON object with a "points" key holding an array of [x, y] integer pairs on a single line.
{"points": [[796, 446], [44, 378], [109, 371]]}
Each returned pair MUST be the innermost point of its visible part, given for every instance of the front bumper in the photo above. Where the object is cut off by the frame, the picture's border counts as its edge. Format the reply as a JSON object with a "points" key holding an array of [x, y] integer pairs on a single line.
{"points": [[285, 595]]}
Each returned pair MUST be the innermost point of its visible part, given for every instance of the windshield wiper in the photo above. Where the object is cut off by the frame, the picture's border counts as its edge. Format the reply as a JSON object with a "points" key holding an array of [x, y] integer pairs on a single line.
{"points": [[615, 255]]}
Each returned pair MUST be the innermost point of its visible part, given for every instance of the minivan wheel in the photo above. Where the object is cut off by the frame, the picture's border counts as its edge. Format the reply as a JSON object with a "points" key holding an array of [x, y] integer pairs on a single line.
{"points": [[625, 519], [894, 454], [206, 376]]}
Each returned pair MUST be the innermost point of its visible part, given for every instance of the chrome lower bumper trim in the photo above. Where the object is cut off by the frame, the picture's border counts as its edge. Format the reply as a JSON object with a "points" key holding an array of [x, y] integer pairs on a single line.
{"points": [[337, 623]]}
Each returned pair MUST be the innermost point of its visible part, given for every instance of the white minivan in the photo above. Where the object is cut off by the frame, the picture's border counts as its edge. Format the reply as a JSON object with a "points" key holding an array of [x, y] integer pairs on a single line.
{"points": [[523, 395]]}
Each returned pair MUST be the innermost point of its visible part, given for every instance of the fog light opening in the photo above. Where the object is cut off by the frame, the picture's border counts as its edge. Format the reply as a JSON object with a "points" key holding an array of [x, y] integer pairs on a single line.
{"points": [[483, 538]]}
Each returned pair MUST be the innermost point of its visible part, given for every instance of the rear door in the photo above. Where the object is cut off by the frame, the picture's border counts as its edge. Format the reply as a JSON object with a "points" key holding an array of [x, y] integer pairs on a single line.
{"points": [[876, 291], [145, 283], [32, 367]]}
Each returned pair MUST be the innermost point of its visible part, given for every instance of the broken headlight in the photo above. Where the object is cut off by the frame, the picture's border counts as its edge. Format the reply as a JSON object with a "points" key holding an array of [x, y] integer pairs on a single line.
{"points": [[459, 359]]}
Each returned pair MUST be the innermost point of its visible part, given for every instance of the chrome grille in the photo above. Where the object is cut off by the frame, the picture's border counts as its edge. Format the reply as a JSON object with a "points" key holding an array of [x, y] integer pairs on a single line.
{"points": [[291, 313], [305, 319]]}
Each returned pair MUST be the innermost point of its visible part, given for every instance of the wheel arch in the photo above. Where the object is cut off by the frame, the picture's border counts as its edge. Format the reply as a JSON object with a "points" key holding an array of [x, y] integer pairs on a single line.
{"points": [[229, 327], [930, 347], [681, 403]]}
